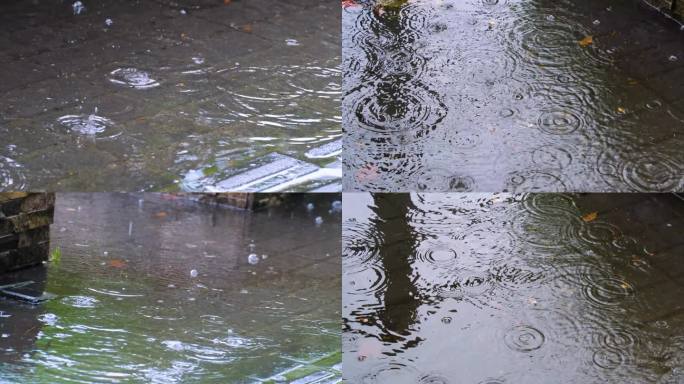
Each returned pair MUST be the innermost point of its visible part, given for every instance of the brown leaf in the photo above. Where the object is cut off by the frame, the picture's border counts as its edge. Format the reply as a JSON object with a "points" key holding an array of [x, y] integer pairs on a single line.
{"points": [[590, 217], [586, 41], [160, 215], [116, 263], [247, 28]]}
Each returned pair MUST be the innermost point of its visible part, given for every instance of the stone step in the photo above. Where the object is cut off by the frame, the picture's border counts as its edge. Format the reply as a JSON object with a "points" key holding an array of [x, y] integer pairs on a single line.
{"points": [[274, 172], [25, 220]]}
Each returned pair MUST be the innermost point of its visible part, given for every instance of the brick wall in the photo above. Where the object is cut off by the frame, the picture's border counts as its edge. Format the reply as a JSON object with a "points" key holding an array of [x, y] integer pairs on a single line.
{"points": [[25, 220]]}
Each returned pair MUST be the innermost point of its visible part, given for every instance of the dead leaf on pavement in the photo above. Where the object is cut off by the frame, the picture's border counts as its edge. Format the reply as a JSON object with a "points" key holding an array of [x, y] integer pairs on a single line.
{"points": [[586, 41], [590, 217], [116, 263]]}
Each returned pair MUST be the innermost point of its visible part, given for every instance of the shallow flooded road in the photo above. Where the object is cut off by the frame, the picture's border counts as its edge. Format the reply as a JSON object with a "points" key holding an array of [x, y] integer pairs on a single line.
{"points": [[547, 288], [170, 95], [512, 95], [155, 288]]}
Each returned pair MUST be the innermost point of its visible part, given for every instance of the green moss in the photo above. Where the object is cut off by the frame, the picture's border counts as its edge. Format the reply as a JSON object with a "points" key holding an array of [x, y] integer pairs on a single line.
{"points": [[210, 170]]}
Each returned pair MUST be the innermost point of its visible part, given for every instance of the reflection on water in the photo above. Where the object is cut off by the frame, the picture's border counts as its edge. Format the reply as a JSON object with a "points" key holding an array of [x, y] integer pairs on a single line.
{"points": [[516, 95], [139, 96], [154, 288], [545, 288]]}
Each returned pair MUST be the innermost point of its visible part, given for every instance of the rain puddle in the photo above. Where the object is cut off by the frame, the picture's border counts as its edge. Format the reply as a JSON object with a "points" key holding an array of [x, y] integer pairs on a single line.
{"points": [[102, 96], [539, 288], [511, 95], [158, 288]]}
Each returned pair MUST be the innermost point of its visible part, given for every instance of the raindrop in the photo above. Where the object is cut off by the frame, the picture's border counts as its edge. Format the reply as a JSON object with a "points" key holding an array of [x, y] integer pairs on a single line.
{"points": [[109, 22], [292, 42], [597, 22], [310, 207], [132, 77], [90, 125], [524, 338], [48, 318], [193, 273], [80, 301], [559, 122], [318, 220], [608, 358], [78, 7], [672, 58], [446, 320], [253, 259]]}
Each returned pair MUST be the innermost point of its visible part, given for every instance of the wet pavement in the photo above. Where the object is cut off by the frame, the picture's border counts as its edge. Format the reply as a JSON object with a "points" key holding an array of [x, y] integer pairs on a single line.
{"points": [[481, 288], [170, 95], [512, 95], [155, 288]]}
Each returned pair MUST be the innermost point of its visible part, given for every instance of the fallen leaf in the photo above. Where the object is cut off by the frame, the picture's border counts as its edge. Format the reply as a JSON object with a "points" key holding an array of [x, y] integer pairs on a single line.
{"points": [[620, 110], [590, 217], [226, 2], [586, 41], [160, 215], [116, 263], [247, 28]]}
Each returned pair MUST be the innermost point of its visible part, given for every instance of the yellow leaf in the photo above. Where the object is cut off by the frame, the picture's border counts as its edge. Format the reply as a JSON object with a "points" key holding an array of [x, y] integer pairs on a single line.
{"points": [[590, 217], [586, 41], [620, 110]]}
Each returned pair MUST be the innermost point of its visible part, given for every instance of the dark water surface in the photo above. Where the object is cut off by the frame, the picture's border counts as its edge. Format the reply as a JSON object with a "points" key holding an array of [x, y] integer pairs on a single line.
{"points": [[169, 95], [512, 95], [129, 308], [475, 288]]}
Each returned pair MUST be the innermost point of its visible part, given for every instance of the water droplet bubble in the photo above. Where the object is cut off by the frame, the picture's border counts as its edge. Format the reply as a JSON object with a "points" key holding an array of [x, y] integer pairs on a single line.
{"points": [[109, 22], [318, 220], [132, 77], [673, 58], [193, 273], [310, 207], [78, 7], [292, 42], [253, 259]]}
